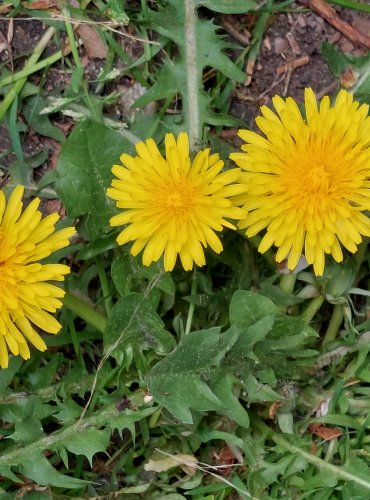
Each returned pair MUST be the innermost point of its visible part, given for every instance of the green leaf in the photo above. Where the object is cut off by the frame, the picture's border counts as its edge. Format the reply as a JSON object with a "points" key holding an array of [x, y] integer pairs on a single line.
{"points": [[358, 468], [256, 332], [126, 268], [210, 435], [97, 247], [338, 62], [128, 418], [258, 392], [184, 379], [320, 480], [133, 327], [14, 131], [84, 173], [6, 376], [228, 7], [223, 389], [36, 467], [6, 471], [27, 430], [40, 122], [116, 12], [89, 442], [68, 412], [247, 307], [274, 470], [334, 58], [339, 278]]}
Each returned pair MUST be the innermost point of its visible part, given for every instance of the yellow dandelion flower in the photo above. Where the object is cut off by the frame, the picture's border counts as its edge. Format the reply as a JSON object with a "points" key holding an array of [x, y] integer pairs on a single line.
{"points": [[308, 180], [173, 206], [26, 299]]}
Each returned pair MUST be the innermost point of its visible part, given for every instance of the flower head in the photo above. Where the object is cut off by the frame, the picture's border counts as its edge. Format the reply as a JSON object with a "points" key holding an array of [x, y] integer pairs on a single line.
{"points": [[308, 180], [173, 206], [26, 299]]}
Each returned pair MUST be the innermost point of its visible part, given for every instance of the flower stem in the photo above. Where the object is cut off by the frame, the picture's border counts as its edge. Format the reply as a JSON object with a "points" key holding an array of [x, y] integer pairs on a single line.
{"points": [[334, 324], [17, 87], [361, 253], [85, 312], [107, 294], [312, 308], [287, 283], [191, 108], [193, 294]]}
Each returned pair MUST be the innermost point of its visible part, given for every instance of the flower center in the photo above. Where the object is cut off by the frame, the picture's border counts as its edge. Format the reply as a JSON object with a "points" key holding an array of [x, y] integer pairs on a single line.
{"points": [[316, 179], [177, 200]]}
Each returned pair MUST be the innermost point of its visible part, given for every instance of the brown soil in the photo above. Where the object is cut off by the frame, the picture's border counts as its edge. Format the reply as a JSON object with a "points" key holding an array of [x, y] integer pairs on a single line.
{"points": [[288, 39]]}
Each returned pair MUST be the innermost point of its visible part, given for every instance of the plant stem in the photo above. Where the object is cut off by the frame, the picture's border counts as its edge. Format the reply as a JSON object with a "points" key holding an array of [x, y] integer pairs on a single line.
{"points": [[191, 108], [312, 308], [338, 472], [13, 456], [193, 294], [287, 283], [85, 312], [361, 253], [107, 294], [48, 392], [334, 324], [17, 87]]}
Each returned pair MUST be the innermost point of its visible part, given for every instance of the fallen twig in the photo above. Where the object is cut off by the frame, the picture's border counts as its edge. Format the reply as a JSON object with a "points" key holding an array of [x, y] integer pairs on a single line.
{"points": [[292, 65], [327, 12]]}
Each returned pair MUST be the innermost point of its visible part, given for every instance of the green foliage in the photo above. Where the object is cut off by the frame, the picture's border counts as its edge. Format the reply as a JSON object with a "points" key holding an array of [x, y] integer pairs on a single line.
{"points": [[133, 328], [207, 366], [339, 62], [185, 378], [84, 174], [230, 7], [199, 46]]}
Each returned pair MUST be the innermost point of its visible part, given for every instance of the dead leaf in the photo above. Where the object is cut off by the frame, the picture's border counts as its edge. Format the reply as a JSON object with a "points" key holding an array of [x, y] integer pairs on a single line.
{"points": [[94, 45], [177, 460], [326, 433], [348, 78], [4, 9], [313, 448], [225, 458], [273, 409], [40, 4]]}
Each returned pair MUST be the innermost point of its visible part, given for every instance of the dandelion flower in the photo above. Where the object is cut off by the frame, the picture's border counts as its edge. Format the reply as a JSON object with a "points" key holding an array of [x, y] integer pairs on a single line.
{"points": [[308, 180], [26, 299], [173, 206]]}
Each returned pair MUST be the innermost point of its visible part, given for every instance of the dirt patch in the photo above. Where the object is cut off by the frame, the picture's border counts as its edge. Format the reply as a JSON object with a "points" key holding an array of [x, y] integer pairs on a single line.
{"points": [[292, 39], [19, 39]]}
